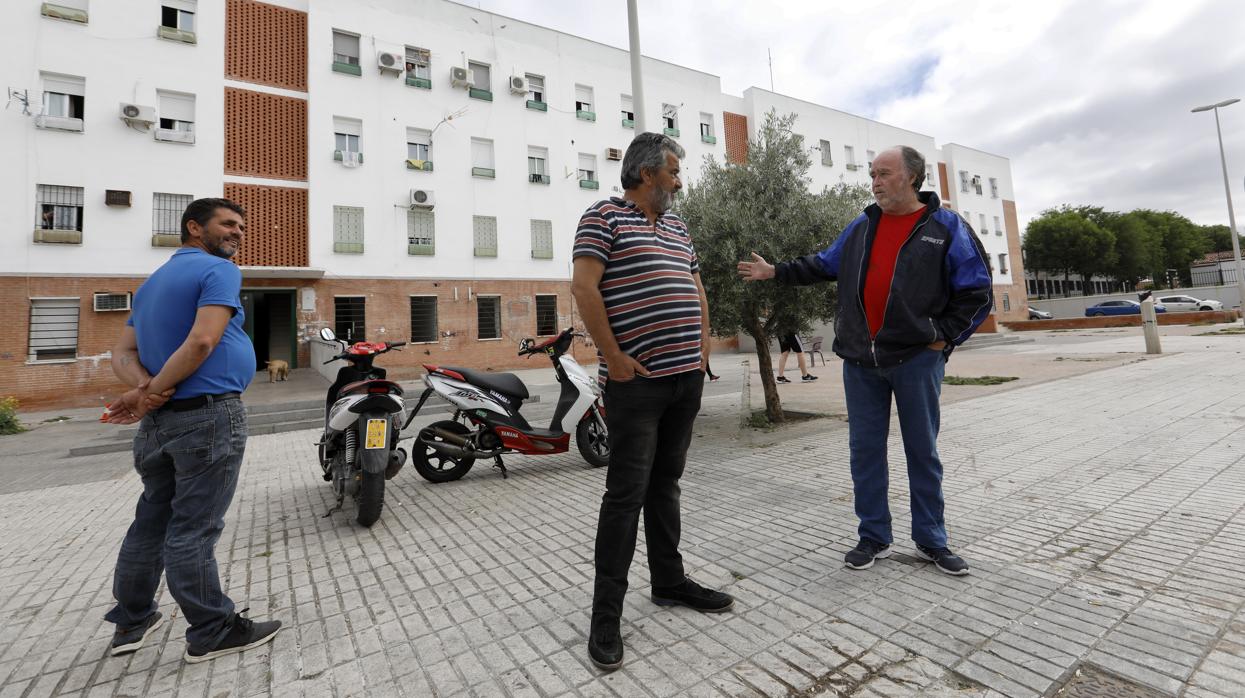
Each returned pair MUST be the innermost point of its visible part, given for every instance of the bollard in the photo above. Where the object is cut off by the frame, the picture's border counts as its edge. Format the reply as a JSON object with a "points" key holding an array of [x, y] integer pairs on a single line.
{"points": [[1150, 326]]}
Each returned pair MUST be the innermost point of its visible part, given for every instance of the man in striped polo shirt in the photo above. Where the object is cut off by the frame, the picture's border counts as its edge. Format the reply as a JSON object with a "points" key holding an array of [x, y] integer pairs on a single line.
{"points": [[637, 283]]}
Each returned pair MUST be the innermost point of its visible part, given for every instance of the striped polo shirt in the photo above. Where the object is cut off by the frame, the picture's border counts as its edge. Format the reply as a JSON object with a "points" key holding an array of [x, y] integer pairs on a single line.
{"points": [[648, 289]]}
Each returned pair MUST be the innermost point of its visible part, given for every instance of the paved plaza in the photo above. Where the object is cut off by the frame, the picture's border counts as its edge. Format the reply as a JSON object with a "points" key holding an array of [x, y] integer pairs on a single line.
{"points": [[1102, 511]]}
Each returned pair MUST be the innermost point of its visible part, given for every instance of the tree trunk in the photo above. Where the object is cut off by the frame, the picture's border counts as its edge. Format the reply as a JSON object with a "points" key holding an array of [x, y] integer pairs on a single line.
{"points": [[773, 404]]}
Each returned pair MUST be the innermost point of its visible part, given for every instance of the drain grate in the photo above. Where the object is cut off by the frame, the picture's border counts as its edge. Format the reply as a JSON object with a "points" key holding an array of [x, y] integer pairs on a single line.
{"points": [[1090, 681]]}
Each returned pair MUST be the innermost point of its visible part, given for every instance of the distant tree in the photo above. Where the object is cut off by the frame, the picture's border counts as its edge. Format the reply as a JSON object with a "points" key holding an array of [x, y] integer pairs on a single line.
{"points": [[1138, 248], [764, 206], [1183, 242], [1066, 241], [1219, 239]]}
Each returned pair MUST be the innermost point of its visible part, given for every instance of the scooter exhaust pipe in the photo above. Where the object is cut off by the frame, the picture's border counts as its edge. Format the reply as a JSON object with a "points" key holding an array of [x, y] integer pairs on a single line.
{"points": [[458, 451]]}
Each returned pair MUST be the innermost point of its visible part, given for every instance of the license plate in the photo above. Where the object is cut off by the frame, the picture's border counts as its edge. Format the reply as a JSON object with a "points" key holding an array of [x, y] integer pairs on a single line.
{"points": [[376, 431]]}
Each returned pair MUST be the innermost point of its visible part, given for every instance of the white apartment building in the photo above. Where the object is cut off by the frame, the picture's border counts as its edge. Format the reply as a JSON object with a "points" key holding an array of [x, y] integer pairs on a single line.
{"points": [[413, 169]]}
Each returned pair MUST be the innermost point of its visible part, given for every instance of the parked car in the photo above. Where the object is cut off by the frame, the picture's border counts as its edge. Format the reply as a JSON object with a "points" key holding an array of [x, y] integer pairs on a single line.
{"points": [[1035, 314], [1119, 308], [1182, 304]]}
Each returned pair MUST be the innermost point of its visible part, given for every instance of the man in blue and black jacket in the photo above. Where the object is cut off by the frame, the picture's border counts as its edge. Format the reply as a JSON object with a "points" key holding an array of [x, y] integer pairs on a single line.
{"points": [[914, 283]]}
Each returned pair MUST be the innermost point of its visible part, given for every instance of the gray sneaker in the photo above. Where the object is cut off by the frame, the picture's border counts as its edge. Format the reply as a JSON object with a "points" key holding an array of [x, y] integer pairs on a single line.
{"points": [[127, 640]]}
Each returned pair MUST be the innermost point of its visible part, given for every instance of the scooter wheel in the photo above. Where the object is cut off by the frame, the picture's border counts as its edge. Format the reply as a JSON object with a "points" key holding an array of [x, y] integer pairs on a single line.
{"points": [[434, 465], [593, 441]]}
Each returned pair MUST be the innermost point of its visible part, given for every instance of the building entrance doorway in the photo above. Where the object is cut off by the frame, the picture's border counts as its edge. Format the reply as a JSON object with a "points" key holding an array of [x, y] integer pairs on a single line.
{"points": [[271, 325]]}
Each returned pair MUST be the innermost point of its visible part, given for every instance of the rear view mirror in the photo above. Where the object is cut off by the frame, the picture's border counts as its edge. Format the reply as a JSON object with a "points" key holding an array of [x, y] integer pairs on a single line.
{"points": [[327, 335]]}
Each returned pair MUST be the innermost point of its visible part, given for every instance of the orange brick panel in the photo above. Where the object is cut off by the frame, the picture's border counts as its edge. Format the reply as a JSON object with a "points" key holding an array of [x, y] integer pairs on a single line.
{"points": [[276, 225], [735, 127], [265, 135], [942, 182], [266, 44]]}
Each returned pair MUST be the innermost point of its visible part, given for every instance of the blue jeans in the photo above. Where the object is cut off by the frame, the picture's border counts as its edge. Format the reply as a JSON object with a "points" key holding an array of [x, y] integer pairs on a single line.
{"points": [[650, 428], [916, 385], [189, 463]]}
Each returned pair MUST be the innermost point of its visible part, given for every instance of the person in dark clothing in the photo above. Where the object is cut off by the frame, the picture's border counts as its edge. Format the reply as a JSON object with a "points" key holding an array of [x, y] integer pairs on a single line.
{"points": [[788, 343], [914, 283]]}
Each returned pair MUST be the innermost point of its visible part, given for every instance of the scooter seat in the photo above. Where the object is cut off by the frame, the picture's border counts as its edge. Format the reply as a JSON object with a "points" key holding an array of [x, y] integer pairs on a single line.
{"points": [[505, 383]]}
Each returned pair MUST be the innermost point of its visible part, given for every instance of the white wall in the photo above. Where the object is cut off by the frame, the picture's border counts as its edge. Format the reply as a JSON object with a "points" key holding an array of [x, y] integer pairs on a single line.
{"points": [[388, 107], [984, 165], [122, 61]]}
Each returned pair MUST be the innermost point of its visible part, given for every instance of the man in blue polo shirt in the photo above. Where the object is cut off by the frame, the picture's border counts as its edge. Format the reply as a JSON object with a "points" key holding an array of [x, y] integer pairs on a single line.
{"points": [[188, 359]]}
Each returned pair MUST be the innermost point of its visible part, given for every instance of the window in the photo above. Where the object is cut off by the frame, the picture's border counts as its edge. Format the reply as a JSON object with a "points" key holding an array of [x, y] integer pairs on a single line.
{"points": [[587, 167], [964, 180], [583, 102], [166, 213], [977, 184], [628, 113], [178, 14], [349, 318], [53, 329], [537, 165], [177, 112], [542, 239], [849, 154], [670, 119], [345, 51], [63, 96], [484, 233], [869, 154], [1003, 270], [1007, 299], [421, 232], [997, 228], [929, 176], [482, 158], [488, 316], [827, 155], [535, 87], [348, 229], [423, 318], [60, 208], [982, 218], [418, 65], [706, 128], [481, 78], [546, 316], [419, 147], [348, 136], [994, 188]]}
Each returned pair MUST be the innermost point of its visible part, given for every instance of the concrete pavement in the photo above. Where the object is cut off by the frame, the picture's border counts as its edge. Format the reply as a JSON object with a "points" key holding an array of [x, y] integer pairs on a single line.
{"points": [[1103, 511]]}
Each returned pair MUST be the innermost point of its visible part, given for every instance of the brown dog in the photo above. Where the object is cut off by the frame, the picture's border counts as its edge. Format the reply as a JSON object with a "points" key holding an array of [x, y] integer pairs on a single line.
{"points": [[278, 370]]}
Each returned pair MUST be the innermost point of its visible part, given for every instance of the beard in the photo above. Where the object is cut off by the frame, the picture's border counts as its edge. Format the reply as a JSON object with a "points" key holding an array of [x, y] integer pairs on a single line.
{"points": [[217, 249], [662, 200]]}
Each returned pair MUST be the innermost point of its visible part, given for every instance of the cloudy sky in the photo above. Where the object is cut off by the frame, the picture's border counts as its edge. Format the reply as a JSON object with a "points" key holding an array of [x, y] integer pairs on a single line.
{"points": [[1089, 99]]}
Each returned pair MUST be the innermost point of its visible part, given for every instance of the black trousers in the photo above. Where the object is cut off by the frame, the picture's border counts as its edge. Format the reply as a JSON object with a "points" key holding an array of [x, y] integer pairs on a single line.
{"points": [[650, 427]]}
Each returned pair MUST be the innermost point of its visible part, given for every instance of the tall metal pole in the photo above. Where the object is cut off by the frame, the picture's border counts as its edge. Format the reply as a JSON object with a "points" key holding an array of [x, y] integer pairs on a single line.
{"points": [[1227, 190], [637, 76]]}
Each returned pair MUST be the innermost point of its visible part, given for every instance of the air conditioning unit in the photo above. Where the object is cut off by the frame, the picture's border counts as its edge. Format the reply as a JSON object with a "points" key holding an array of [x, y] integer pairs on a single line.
{"points": [[613, 154], [462, 77], [110, 302], [171, 135], [518, 84], [422, 198], [389, 61], [138, 114]]}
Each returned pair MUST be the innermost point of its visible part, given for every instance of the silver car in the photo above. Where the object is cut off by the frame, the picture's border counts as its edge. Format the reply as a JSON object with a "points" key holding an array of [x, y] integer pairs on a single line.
{"points": [[1185, 304]]}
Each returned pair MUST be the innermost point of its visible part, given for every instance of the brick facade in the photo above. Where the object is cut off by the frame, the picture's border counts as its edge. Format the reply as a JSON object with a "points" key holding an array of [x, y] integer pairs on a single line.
{"points": [[276, 230], [1016, 291], [735, 128], [266, 44], [265, 135]]}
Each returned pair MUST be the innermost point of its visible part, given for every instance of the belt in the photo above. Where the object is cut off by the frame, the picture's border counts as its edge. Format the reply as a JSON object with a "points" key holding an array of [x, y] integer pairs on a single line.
{"points": [[194, 403]]}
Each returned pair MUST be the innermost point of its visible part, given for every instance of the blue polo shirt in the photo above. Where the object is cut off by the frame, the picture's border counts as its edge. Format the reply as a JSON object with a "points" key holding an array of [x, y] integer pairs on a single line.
{"points": [[164, 311]]}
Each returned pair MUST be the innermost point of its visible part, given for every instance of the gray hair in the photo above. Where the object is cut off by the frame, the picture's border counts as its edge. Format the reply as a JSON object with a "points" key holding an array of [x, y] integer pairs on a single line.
{"points": [[647, 152], [914, 163]]}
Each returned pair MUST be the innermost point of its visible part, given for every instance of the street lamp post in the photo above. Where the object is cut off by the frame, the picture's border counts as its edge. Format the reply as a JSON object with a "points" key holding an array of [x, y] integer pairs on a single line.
{"points": [[1223, 161]]}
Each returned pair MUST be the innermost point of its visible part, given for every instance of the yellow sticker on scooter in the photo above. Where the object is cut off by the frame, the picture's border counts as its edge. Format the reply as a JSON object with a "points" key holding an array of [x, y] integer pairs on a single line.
{"points": [[376, 431]]}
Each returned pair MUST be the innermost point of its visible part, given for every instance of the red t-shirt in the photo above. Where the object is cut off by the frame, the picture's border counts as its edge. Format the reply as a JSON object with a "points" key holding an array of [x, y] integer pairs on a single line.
{"points": [[892, 231]]}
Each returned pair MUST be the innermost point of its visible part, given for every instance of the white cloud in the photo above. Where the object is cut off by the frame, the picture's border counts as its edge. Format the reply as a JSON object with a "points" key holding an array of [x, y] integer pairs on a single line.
{"points": [[1089, 100]]}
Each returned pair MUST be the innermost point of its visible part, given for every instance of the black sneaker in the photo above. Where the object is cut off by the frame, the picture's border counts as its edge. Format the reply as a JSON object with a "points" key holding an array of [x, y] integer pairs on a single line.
{"points": [[866, 551], [605, 646], [243, 634], [947, 561], [808, 378], [127, 640], [781, 379], [693, 596]]}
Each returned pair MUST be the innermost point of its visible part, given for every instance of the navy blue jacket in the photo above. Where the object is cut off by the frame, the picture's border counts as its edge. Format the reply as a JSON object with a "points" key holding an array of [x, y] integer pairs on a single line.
{"points": [[941, 289]]}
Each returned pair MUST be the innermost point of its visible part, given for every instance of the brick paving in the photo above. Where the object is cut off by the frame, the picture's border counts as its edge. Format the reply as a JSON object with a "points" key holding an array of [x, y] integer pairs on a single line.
{"points": [[1102, 514]]}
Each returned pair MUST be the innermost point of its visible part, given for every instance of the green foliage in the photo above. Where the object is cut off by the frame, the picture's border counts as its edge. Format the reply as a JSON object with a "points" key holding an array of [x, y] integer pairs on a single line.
{"points": [[978, 380], [764, 206], [9, 423], [1067, 241]]}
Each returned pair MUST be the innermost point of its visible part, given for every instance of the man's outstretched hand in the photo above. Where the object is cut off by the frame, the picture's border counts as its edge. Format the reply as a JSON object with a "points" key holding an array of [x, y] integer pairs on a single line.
{"points": [[756, 270]]}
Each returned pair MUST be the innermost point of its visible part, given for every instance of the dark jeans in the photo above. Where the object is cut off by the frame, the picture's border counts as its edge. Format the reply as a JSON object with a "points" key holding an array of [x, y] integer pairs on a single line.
{"points": [[189, 463], [650, 427], [916, 385]]}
